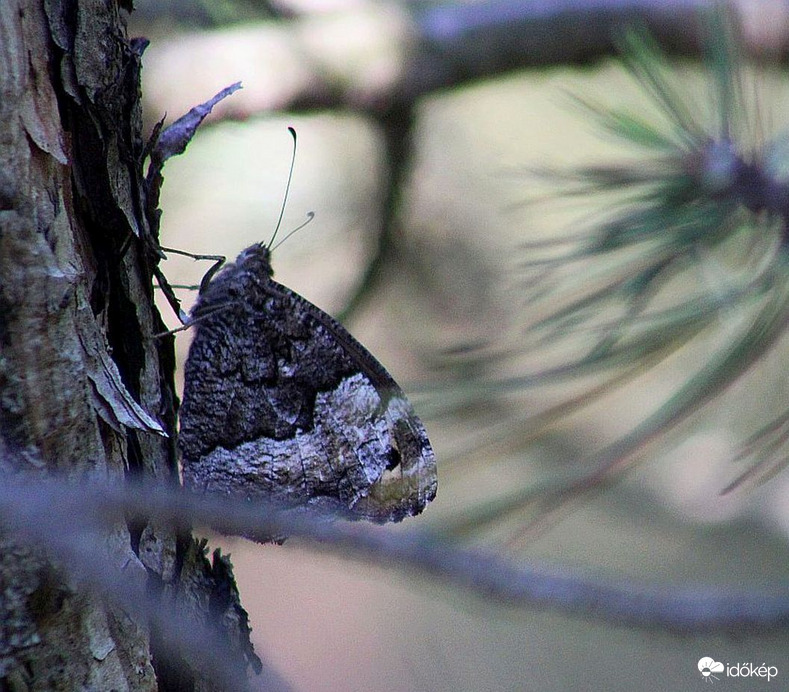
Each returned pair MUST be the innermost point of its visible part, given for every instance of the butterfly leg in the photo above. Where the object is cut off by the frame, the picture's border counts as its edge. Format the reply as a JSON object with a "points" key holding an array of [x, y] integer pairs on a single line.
{"points": [[168, 289]]}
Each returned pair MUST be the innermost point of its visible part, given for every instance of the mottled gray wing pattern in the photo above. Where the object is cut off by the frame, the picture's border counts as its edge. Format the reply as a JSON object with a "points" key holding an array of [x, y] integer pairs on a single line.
{"points": [[281, 402]]}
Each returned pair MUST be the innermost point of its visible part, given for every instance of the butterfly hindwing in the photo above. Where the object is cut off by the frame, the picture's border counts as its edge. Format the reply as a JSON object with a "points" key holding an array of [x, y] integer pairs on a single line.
{"points": [[281, 402]]}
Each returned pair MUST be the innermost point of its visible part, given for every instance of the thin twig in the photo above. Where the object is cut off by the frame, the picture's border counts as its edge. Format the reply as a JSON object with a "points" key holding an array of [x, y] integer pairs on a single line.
{"points": [[46, 512]]}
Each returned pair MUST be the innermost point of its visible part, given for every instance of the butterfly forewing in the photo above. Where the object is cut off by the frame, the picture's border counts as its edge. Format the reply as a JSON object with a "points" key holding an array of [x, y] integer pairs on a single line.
{"points": [[282, 403]]}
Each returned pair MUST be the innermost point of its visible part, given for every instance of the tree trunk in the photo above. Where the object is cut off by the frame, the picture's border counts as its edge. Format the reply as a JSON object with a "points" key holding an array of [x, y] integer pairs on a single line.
{"points": [[85, 392]]}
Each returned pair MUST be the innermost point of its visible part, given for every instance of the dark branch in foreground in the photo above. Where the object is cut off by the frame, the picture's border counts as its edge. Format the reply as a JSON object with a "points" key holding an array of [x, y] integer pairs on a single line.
{"points": [[65, 520]]}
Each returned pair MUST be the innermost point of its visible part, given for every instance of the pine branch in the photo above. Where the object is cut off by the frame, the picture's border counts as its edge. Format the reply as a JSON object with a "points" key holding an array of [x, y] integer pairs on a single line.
{"points": [[45, 513]]}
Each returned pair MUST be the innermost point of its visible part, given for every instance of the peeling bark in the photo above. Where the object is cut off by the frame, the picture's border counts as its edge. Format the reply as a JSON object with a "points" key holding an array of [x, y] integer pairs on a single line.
{"points": [[85, 391]]}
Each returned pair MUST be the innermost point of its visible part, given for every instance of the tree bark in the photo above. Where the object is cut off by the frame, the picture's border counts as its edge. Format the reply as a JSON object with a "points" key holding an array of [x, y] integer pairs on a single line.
{"points": [[85, 391]]}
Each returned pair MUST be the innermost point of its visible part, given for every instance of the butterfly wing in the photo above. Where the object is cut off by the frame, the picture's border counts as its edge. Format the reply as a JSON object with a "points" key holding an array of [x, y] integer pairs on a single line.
{"points": [[281, 402]]}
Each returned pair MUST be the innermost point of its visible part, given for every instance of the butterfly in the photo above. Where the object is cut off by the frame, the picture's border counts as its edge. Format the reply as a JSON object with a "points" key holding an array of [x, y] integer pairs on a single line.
{"points": [[282, 403]]}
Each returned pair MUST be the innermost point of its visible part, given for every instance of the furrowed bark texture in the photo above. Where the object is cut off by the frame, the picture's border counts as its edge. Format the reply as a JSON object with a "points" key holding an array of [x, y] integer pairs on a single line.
{"points": [[84, 391]]}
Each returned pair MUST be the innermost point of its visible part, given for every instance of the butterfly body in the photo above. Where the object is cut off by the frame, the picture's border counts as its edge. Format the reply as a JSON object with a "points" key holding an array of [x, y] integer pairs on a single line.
{"points": [[282, 403]]}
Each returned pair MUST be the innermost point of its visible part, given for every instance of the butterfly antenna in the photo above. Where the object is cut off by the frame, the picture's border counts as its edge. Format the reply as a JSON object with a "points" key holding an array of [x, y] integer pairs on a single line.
{"points": [[310, 217], [287, 188]]}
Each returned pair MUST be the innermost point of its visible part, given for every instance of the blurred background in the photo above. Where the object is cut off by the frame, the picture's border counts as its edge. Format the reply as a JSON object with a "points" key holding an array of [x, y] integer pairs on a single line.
{"points": [[424, 136]]}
